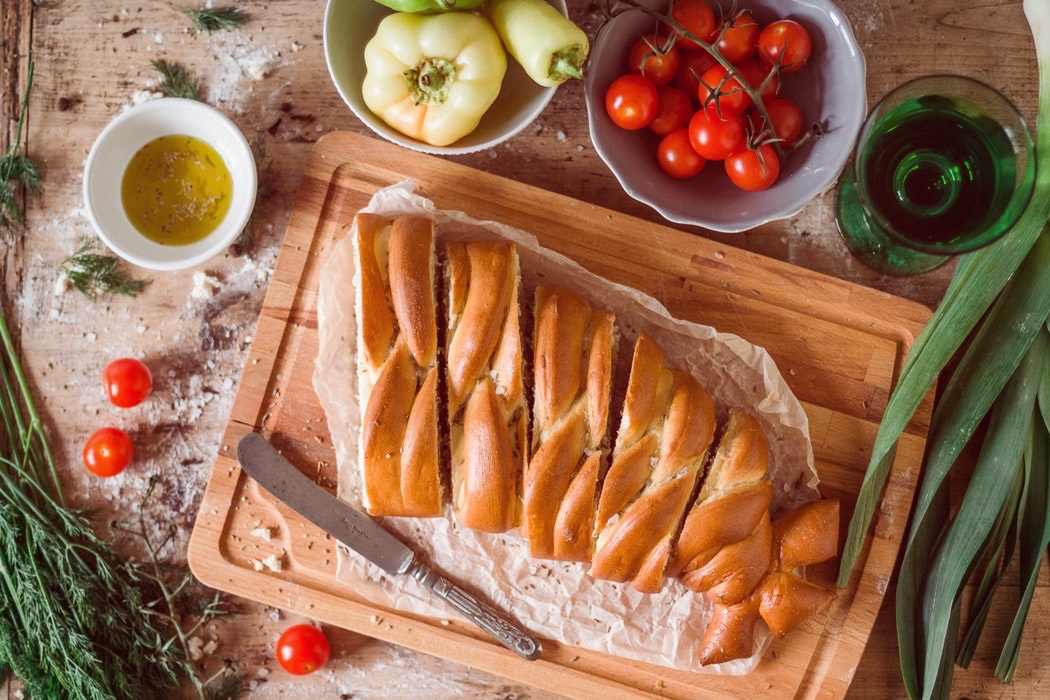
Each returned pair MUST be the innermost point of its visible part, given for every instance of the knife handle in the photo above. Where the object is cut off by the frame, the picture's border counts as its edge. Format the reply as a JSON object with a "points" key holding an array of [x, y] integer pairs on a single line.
{"points": [[510, 636]]}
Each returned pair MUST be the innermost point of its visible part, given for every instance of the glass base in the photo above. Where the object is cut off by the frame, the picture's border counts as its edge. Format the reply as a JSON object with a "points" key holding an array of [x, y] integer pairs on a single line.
{"points": [[868, 242]]}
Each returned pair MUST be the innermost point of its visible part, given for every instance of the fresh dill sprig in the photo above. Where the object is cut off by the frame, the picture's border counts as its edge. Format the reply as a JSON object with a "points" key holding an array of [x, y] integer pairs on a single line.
{"points": [[176, 81], [16, 168], [215, 18], [92, 273], [181, 608]]}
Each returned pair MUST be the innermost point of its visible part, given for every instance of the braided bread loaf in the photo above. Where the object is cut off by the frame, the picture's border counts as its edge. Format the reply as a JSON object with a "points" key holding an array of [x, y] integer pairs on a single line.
{"points": [[487, 411], [666, 429], [573, 349], [398, 366]]}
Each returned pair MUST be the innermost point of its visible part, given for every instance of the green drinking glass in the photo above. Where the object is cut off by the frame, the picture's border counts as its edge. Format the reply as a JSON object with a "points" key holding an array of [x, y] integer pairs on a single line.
{"points": [[943, 165]]}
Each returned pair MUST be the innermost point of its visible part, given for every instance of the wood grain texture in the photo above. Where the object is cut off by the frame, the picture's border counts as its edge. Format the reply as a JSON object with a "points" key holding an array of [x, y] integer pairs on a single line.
{"points": [[92, 56], [838, 345]]}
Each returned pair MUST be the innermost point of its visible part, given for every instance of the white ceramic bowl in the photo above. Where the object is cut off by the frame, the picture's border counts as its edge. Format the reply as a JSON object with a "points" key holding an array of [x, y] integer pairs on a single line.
{"points": [[350, 24], [830, 90], [130, 131]]}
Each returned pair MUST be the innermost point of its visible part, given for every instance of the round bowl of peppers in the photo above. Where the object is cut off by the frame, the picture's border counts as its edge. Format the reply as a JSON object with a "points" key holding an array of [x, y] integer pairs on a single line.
{"points": [[450, 76], [670, 118]]}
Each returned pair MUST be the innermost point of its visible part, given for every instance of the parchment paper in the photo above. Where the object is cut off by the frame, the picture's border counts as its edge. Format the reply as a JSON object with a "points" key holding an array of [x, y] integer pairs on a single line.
{"points": [[557, 600]]}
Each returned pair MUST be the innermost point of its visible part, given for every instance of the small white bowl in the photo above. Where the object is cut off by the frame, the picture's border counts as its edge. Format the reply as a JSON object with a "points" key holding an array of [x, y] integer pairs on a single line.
{"points": [[133, 129], [350, 24]]}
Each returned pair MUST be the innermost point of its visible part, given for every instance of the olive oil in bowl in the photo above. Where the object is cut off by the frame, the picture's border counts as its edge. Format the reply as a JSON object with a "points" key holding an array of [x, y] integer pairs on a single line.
{"points": [[176, 190]]}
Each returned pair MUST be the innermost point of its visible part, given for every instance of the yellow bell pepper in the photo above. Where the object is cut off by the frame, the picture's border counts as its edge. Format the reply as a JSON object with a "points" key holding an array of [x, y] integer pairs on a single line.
{"points": [[432, 77]]}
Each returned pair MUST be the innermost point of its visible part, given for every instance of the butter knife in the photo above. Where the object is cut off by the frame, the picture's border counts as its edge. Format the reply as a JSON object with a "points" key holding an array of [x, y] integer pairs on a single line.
{"points": [[360, 532]]}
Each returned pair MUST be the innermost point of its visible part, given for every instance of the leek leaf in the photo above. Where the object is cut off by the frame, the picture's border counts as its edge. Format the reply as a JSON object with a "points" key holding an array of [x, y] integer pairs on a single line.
{"points": [[977, 280]]}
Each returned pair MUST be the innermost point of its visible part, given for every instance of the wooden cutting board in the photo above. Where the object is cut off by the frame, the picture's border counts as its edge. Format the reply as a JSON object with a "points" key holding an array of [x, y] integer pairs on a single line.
{"points": [[839, 346]]}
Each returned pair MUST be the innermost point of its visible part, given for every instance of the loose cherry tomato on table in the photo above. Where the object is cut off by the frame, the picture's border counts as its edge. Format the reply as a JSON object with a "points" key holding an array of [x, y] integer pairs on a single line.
{"points": [[631, 102], [785, 42], [676, 155], [753, 169], [715, 138], [738, 38], [655, 57], [674, 109], [302, 649], [786, 118], [127, 382], [696, 17], [108, 451]]}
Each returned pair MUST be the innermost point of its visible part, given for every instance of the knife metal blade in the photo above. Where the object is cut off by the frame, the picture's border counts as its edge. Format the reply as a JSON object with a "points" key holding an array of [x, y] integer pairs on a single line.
{"points": [[360, 532]]}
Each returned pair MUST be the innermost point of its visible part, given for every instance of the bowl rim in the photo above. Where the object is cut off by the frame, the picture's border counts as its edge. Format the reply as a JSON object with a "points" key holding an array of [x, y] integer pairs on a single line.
{"points": [[381, 128], [129, 131], [842, 29]]}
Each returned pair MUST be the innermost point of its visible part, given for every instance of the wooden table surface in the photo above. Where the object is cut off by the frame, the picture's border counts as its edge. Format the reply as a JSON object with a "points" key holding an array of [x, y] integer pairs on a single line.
{"points": [[93, 59]]}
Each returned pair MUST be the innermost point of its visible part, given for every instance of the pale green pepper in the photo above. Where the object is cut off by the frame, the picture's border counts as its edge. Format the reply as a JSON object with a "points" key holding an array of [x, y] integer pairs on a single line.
{"points": [[547, 44], [432, 77], [430, 6]]}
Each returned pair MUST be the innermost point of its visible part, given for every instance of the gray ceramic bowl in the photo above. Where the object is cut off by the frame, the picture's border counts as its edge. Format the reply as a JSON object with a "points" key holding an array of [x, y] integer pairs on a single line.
{"points": [[830, 90], [350, 24]]}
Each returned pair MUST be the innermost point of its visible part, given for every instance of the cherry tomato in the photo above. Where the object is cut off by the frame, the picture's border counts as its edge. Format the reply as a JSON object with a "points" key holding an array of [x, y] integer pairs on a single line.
{"points": [[302, 649], [785, 42], [697, 18], [691, 65], [108, 451], [715, 138], [753, 169], [676, 155], [674, 109], [722, 94], [127, 382], [760, 77], [738, 39], [631, 102], [655, 57], [786, 117]]}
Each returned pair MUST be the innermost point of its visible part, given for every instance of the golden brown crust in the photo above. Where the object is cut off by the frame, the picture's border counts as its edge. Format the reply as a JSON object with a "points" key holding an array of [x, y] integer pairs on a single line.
{"points": [[735, 569], [412, 285], [397, 353], [667, 427], [807, 535], [375, 318], [731, 632], [733, 500], [787, 600], [488, 418], [572, 379]]}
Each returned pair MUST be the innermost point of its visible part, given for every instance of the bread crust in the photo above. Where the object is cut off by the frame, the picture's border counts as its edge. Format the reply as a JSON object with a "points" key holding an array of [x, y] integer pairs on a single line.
{"points": [[488, 416], [572, 377], [727, 534], [397, 360], [666, 429]]}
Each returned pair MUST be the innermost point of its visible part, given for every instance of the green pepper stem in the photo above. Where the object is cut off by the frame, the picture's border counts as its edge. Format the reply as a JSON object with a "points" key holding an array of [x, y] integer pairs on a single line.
{"points": [[567, 63], [430, 81]]}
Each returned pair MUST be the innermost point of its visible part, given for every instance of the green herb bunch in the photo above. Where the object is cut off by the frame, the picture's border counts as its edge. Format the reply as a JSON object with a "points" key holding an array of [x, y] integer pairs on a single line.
{"points": [[989, 340], [16, 169], [215, 18], [73, 622]]}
